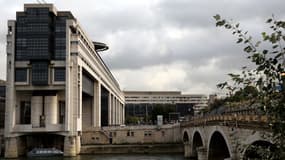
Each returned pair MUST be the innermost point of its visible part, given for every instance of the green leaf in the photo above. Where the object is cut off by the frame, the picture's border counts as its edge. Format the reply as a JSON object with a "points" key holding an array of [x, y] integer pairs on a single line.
{"points": [[274, 46], [221, 23], [257, 43], [239, 40], [228, 26], [217, 17], [269, 20], [237, 25]]}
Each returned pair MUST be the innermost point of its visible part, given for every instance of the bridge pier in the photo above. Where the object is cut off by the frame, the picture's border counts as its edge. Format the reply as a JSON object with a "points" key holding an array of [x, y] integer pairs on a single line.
{"points": [[187, 150], [11, 147], [71, 146], [202, 153]]}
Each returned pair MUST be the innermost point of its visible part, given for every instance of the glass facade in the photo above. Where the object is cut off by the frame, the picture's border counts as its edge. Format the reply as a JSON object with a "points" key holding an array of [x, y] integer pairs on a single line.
{"points": [[25, 112], [60, 38], [21, 75], [40, 38], [104, 106], [34, 34], [40, 73], [59, 74]]}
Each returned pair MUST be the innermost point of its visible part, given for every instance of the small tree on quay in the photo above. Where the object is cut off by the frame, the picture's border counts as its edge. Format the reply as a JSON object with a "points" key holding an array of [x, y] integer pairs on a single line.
{"points": [[267, 75]]}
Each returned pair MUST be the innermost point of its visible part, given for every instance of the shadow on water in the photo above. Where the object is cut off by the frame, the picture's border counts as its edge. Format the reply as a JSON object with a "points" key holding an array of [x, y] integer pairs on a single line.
{"points": [[110, 157]]}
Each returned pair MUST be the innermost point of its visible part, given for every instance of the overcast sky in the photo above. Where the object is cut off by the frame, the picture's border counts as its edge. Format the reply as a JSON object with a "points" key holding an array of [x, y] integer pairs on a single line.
{"points": [[162, 44]]}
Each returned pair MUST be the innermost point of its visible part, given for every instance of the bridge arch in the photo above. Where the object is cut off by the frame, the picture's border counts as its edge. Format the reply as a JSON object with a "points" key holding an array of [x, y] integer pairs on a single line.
{"points": [[252, 153], [197, 142], [218, 147], [185, 137]]}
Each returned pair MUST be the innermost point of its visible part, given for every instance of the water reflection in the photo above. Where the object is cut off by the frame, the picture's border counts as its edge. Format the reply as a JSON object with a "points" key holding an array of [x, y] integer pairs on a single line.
{"points": [[111, 157]]}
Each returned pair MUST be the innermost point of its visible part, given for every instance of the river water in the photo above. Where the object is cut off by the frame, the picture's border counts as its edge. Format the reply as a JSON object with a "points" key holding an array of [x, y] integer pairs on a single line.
{"points": [[113, 157]]}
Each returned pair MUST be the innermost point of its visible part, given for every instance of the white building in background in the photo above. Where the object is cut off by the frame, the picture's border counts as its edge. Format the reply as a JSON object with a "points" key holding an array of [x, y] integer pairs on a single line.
{"points": [[57, 84], [141, 103]]}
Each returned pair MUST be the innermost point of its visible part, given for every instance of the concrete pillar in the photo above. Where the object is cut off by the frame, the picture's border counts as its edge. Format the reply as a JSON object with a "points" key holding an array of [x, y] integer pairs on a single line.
{"points": [[110, 109], [78, 144], [97, 105], [119, 112], [202, 153], [37, 110], [51, 109], [187, 150], [123, 107], [11, 147], [114, 110], [70, 146]]}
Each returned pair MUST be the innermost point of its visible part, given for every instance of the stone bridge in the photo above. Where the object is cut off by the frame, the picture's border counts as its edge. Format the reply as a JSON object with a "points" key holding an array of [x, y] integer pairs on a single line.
{"points": [[225, 137]]}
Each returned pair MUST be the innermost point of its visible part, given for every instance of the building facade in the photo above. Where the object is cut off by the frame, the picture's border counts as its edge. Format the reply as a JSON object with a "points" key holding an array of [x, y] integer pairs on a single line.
{"points": [[141, 103], [57, 84]]}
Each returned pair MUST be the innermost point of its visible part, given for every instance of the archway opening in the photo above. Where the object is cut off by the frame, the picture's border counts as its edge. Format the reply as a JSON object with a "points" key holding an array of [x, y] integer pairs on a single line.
{"points": [[197, 142], [39, 140], [185, 137], [259, 150], [218, 149]]}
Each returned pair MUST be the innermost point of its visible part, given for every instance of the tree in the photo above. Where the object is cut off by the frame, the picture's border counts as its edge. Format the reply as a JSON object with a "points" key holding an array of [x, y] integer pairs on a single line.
{"points": [[267, 75]]}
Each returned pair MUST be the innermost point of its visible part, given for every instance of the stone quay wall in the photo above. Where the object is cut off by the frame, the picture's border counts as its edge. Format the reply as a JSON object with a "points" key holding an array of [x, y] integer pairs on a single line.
{"points": [[143, 134]]}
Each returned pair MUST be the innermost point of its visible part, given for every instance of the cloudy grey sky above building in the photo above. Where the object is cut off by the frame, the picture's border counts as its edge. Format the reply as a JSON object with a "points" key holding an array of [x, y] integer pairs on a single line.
{"points": [[162, 44]]}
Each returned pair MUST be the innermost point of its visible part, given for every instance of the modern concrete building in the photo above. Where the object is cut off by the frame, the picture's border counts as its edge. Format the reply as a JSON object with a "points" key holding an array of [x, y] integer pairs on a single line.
{"points": [[2, 104], [141, 103], [57, 84]]}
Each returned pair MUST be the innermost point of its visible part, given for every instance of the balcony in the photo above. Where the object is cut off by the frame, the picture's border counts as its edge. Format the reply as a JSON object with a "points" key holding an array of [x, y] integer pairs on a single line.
{"points": [[27, 128]]}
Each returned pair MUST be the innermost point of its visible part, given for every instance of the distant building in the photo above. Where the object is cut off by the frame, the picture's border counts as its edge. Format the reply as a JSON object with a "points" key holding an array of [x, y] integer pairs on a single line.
{"points": [[2, 103], [141, 103], [58, 86]]}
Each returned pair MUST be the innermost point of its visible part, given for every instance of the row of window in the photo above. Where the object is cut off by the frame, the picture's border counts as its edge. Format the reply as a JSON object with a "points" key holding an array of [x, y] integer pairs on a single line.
{"points": [[39, 74]]}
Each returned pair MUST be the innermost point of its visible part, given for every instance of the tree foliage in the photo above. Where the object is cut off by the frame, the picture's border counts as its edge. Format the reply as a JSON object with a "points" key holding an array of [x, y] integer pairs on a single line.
{"points": [[267, 75]]}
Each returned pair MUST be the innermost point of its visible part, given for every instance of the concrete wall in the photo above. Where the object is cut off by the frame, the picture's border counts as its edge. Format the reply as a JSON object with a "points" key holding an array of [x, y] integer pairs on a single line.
{"points": [[133, 135], [133, 148]]}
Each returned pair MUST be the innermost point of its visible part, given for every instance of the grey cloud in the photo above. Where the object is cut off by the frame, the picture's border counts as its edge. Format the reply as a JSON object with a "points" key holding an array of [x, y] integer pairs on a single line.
{"points": [[199, 13]]}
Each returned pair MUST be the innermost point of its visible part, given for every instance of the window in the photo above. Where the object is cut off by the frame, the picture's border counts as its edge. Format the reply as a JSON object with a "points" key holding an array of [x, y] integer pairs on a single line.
{"points": [[40, 73], [61, 107], [147, 133], [59, 74], [25, 112], [21, 75], [130, 133]]}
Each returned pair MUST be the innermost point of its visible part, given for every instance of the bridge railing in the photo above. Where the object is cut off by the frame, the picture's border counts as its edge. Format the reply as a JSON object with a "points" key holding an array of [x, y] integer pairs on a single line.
{"points": [[258, 121]]}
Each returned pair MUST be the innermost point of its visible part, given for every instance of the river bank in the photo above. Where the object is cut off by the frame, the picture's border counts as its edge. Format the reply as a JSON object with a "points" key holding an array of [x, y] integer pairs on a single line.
{"points": [[133, 149]]}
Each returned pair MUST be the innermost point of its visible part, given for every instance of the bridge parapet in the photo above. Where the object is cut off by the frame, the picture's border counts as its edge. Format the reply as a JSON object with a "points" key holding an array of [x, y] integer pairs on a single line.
{"points": [[241, 121]]}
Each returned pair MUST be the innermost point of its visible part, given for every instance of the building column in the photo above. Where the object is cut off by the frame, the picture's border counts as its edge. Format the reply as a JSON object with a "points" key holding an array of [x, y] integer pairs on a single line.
{"points": [[114, 110], [123, 108], [11, 147], [78, 144], [117, 112], [120, 113], [71, 146], [110, 109], [97, 105]]}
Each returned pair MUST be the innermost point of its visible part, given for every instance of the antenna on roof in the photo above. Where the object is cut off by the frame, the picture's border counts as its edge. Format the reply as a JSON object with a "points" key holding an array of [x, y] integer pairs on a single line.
{"points": [[44, 1], [39, 1]]}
